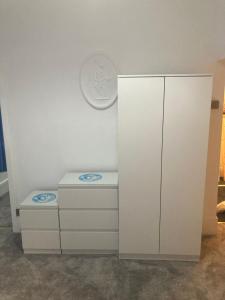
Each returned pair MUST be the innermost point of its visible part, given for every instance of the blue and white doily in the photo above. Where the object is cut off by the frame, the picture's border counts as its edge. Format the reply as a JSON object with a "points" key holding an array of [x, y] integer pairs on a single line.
{"points": [[89, 177], [44, 197]]}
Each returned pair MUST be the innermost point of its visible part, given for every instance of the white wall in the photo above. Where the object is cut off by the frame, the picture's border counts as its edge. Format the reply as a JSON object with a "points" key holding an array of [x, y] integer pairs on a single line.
{"points": [[50, 128], [219, 32]]}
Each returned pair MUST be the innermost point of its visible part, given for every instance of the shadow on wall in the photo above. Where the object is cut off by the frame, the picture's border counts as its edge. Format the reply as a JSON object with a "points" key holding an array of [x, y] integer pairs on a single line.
{"points": [[2, 148], [4, 187]]}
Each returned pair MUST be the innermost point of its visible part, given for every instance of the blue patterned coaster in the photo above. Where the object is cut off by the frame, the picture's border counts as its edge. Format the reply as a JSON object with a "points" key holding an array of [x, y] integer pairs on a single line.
{"points": [[89, 177], [44, 197]]}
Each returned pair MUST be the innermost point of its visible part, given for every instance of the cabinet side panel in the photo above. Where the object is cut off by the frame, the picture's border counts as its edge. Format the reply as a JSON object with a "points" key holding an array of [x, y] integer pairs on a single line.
{"points": [[140, 105], [185, 144]]}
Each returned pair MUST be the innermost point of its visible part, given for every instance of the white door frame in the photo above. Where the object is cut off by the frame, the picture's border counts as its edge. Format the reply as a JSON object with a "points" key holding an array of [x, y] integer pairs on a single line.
{"points": [[8, 151]]}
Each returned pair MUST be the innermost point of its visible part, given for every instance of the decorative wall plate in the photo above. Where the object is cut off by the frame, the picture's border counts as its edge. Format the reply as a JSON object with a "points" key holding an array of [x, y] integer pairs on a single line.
{"points": [[44, 198], [89, 177], [98, 81]]}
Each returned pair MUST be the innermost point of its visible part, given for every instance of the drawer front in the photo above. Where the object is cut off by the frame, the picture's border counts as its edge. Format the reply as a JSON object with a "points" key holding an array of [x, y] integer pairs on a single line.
{"points": [[39, 219], [89, 219], [40, 239], [71, 240], [88, 198]]}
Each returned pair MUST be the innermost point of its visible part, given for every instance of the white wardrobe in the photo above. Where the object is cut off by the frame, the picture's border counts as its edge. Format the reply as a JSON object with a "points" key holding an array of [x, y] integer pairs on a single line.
{"points": [[163, 141]]}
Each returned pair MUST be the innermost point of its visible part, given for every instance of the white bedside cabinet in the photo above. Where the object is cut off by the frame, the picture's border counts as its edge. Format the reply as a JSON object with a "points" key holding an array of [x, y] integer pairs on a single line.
{"points": [[40, 223], [88, 212]]}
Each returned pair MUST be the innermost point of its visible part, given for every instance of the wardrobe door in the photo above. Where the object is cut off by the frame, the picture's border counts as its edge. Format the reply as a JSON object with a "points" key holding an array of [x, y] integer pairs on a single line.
{"points": [[185, 144], [140, 105]]}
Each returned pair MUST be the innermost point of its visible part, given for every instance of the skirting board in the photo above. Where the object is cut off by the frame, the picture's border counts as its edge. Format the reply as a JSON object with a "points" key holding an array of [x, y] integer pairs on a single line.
{"points": [[41, 251], [90, 252], [194, 258]]}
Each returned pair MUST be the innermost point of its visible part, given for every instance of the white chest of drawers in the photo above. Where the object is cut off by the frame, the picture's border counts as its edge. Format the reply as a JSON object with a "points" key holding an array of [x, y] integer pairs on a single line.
{"points": [[88, 213], [40, 225]]}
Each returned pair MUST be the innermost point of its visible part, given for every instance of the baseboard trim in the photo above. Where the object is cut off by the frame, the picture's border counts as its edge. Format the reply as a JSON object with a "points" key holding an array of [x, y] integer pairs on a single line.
{"points": [[194, 258], [41, 251], [89, 252]]}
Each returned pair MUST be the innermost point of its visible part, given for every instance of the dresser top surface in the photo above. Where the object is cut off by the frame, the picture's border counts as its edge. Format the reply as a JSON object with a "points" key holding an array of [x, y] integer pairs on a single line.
{"points": [[162, 75], [89, 179]]}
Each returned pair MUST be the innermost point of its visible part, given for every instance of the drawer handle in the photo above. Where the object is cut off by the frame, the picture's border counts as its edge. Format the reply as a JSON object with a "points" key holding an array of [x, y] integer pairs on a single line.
{"points": [[215, 104]]}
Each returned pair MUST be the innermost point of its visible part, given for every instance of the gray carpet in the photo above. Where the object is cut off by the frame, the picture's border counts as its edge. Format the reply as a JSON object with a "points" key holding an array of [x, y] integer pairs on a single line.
{"points": [[45, 277], [5, 212]]}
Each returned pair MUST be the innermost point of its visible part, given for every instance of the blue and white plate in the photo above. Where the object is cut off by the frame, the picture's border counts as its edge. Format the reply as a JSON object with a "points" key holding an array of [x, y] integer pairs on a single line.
{"points": [[89, 177], [44, 197]]}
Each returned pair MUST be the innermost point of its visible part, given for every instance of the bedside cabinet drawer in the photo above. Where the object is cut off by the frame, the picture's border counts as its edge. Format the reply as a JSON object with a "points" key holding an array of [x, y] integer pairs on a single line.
{"points": [[39, 219], [89, 219], [40, 239], [88, 198]]}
